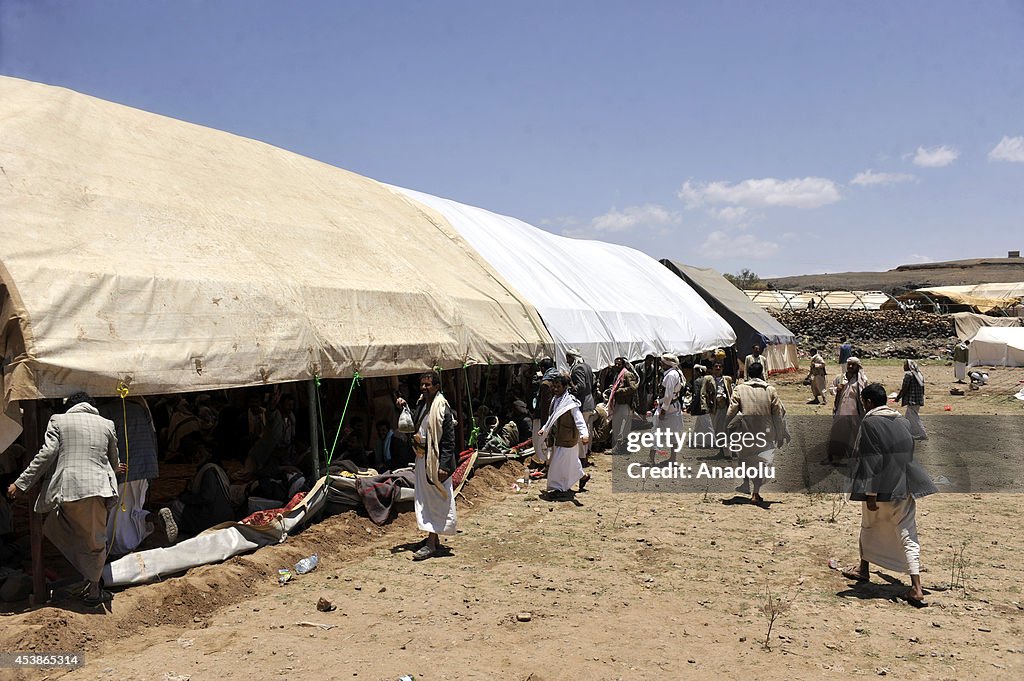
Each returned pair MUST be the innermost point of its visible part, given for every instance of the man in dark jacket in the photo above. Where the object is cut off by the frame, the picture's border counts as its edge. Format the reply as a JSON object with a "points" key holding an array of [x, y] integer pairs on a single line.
{"points": [[541, 410], [886, 478], [582, 388], [620, 403], [436, 461]]}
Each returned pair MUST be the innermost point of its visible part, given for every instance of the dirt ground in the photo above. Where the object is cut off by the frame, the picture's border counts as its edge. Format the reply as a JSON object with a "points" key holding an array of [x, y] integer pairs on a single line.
{"points": [[610, 585]]}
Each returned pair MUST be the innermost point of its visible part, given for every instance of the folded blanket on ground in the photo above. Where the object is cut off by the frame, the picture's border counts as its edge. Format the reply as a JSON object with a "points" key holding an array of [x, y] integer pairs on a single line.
{"points": [[260, 518], [380, 493]]}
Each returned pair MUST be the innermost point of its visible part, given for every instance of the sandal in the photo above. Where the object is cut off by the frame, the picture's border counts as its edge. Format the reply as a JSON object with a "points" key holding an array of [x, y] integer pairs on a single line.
{"points": [[94, 601], [583, 481], [424, 552], [852, 573]]}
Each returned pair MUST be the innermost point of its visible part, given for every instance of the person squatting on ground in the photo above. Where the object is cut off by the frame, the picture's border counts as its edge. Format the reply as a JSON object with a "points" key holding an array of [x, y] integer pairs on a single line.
{"points": [[436, 461], [77, 466], [620, 403], [911, 396], [885, 477], [582, 387], [565, 430], [755, 408]]}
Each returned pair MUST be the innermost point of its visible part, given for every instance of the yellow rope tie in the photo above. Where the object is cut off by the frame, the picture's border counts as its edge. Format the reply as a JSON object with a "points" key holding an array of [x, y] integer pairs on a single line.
{"points": [[122, 390]]}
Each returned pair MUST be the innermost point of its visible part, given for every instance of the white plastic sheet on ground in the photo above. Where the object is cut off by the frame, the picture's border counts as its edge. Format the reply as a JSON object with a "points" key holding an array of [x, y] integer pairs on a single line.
{"points": [[212, 546], [605, 299]]}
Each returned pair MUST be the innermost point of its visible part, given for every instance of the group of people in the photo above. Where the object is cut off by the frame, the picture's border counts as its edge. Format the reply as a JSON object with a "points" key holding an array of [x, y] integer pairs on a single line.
{"points": [[94, 500]]}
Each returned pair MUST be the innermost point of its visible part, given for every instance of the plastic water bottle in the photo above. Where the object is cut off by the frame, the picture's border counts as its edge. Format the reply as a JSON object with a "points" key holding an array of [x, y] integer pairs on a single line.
{"points": [[307, 564]]}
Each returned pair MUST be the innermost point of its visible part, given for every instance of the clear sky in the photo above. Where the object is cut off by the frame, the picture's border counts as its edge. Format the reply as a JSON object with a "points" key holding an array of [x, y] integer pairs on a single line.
{"points": [[787, 137]]}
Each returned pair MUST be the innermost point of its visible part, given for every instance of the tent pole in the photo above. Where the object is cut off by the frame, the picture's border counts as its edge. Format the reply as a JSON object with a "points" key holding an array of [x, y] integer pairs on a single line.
{"points": [[460, 433], [313, 439], [30, 428]]}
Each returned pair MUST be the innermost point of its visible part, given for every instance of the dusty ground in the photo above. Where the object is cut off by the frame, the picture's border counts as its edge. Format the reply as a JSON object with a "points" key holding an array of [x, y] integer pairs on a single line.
{"points": [[627, 585]]}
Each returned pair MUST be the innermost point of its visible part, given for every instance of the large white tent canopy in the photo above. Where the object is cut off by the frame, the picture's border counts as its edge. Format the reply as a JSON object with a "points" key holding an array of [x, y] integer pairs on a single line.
{"points": [[606, 300], [997, 346], [176, 258]]}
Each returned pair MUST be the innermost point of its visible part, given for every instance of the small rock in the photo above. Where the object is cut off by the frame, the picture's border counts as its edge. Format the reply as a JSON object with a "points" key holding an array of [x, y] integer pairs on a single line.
{"points": [[324, 605], [524, 617], [985, 629], [382, 589]]}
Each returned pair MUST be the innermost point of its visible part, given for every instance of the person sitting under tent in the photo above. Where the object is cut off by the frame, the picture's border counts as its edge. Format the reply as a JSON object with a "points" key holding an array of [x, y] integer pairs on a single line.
{"points": [[391, 451], [521, 417], [205, 502]]}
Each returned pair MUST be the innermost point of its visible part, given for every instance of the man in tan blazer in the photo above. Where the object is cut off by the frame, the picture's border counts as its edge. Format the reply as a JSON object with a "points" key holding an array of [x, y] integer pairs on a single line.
{"points": [[77, 466], [755, 409]]}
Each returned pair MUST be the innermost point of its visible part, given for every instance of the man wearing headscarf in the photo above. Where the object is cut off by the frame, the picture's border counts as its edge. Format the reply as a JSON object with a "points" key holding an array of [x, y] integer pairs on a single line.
{"points": [[564, 431], [911, 396], [884, 476], [620, 403], [960, 357], [817, 376], [847, 411], [582, 387], [669, 414]]}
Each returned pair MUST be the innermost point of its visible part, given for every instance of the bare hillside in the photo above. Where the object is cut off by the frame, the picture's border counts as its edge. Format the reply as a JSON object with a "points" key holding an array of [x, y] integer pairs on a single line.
{"points": [[951, 273]]}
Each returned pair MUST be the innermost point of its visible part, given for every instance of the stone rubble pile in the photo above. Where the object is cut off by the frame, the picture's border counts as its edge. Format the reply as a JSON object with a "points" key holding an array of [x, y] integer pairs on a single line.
{"points": [[873, 333]]}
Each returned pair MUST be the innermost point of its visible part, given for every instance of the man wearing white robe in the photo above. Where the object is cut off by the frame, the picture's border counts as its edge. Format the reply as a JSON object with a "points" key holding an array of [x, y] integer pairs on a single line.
{"points": [[621, 403], [886, 478], [436, 461], [668, 417], [960, 356], [564, 431]]}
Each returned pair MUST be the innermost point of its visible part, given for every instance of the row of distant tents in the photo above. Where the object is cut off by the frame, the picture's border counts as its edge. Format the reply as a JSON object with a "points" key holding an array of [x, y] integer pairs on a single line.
{"points": [[1006, 299], [147, 253]]}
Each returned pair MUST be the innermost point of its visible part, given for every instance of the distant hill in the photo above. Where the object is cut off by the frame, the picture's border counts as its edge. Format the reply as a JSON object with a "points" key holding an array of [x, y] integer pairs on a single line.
{"points": [[950, 273]]}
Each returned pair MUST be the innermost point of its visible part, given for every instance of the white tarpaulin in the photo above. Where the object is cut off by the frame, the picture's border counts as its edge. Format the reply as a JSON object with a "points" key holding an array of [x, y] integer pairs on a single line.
{"points": [[214, 545], [177, 258], [997, 346], [607, 300]]}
